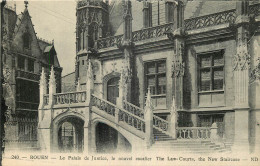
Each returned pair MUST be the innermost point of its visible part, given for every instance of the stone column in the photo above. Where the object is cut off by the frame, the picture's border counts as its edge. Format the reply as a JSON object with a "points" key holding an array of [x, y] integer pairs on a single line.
{"points": [[241, 80], [127, 46], [148, 115], [177, 36], [89, 144], [44, 128], [173, 119], [213, 133]]}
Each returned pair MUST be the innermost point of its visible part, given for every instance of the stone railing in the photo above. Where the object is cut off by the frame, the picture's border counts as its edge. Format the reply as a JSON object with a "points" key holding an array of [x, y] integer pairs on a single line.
{"points": [[132, 120], [152, 32], [103, 105], [109, 41], [45, 100], [69, 98], [228, 16], [27, 75], [160, 124], [133, 109], [254, 10], [193, 132], [119, 113]]}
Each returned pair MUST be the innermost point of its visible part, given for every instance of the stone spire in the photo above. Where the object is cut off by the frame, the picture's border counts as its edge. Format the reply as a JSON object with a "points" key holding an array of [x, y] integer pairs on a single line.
{"points": [[148, 102], [26, 4], [43, 82], [52, 82]]}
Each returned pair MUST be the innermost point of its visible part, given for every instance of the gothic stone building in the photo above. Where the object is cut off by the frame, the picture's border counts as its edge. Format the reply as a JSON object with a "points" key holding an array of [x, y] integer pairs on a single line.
{"points": [[25, 55], [200, 58]]}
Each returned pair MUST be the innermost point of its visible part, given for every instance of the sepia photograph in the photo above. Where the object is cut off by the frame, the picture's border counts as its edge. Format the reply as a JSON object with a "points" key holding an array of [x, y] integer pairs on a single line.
{"points": [[130, 82]]}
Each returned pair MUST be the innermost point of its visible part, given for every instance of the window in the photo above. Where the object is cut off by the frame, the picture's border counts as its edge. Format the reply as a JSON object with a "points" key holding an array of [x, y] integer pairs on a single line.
{"points": [[30, 65], [211, 78], [26, 40], [82, 62], [155, 76], [21, 61], [158, 12]]}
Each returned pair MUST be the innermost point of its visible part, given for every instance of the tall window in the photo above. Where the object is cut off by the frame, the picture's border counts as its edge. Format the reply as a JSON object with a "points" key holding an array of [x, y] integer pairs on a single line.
{"points": [[211, 77], [155, 76], [30, 65], [26, 40], [158, 12], [21, 62]]}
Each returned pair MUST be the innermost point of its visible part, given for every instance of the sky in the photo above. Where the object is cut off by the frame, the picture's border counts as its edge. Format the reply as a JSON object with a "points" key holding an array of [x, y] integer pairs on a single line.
{"points": [[55, 20]]}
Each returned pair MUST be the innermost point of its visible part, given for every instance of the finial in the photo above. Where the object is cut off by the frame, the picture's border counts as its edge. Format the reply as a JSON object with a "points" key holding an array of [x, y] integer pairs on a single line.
{"points": [[26, 4], [148, 99], [15, 6], [52, 41]]}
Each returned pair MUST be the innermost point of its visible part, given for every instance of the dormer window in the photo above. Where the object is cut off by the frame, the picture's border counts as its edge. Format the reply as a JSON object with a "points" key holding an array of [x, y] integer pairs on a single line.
{"points": [[26, 40]]}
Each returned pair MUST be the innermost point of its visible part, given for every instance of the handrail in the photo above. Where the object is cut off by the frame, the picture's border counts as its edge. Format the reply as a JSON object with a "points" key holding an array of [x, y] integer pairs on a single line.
{"points": [[121, 109], [69, 92], [139, 111]]}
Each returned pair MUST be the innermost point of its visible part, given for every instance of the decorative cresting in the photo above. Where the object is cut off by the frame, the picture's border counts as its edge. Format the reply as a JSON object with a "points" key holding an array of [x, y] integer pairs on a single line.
{"points": [[193, 132], [122, 115], [152, 32], [228, 16], [112, 41], [82, 4]]}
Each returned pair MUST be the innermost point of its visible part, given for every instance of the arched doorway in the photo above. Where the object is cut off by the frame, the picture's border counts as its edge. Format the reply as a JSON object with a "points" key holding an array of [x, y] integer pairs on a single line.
{"points": [[112, 89], [109, 140], [71, 135]]}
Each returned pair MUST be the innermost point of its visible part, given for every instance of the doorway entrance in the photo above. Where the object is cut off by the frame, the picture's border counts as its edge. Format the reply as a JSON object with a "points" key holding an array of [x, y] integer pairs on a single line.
{"points": [[70, 135], [113, 89]]}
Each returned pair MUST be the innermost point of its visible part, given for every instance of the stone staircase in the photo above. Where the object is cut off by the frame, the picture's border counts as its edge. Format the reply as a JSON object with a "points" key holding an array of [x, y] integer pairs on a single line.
{"points": [[164, 142], [187, 146]]}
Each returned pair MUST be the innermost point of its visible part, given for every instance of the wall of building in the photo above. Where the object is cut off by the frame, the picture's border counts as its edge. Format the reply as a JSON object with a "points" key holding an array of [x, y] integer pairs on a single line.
{"points": [[191, 74], [153, 56]]}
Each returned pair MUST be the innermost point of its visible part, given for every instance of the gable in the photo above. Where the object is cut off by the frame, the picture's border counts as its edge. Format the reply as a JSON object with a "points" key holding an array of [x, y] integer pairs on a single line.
{"points": [[24, 27]]}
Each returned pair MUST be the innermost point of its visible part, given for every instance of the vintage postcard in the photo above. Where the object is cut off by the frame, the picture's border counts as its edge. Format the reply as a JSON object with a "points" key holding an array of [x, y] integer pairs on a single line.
{"points": [[130, 82]]}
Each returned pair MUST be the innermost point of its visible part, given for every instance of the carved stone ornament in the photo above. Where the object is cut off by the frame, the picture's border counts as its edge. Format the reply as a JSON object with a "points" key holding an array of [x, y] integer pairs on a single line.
{"points": [[242, 59], [255, 73], [178, 68]]}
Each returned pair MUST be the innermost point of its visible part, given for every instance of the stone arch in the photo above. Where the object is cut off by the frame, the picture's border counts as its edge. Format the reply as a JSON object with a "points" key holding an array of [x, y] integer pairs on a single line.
{"points": [[95, 122], [106, 78], [71, 117]]}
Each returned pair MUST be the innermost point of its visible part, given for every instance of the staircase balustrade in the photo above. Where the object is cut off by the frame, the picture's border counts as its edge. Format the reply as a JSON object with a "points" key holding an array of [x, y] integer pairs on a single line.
{"points": [[123, 115], [160, 124], [103, 105], [69, 98], [193, 132], [133, 109]]}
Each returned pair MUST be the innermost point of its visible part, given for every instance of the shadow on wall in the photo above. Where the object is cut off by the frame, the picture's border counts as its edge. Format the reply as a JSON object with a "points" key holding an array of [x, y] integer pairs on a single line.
{"points": [[108, 140]]}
